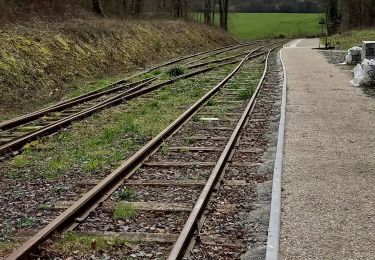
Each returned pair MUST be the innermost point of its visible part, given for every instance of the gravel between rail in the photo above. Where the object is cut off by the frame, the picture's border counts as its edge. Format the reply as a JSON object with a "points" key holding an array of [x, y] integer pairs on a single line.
{"points": [[29, 201], [263, 127]]}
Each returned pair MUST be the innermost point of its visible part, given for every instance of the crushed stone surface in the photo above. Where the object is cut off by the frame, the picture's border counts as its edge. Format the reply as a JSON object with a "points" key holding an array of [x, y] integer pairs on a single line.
{"points": [[329, 169]]}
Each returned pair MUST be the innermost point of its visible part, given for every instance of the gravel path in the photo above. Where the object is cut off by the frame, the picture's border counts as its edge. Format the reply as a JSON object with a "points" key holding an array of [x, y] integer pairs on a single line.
{"points": [[329, 175]]}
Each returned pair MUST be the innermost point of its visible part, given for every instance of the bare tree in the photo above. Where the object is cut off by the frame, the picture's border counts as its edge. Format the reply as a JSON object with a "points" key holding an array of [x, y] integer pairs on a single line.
{"points": [[214, 10], [97, 7], [207, 11], [224, 9]]}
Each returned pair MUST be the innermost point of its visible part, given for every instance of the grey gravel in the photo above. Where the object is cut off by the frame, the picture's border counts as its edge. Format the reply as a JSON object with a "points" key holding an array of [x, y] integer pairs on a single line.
{"points": [[329, 175], [334, 56], [257, 253]]}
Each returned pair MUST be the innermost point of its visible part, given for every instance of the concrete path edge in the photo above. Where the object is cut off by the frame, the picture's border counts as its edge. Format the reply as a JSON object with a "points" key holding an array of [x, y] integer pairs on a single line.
{"points": [[273, 241]]}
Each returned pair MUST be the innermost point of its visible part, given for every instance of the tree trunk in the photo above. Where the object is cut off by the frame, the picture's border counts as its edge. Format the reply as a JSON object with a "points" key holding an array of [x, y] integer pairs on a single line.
{"points": [[138, 7], [185, 8], [124, 4], [223, 7], [213, 11], [221, 11], [97, 7], [207, 11], [226, 10]]}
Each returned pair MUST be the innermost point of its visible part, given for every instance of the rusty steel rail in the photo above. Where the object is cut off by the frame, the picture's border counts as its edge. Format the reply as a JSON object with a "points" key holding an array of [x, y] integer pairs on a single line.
{"points": [[229, 58], [109, 89], [18, 142], [209, 52], [72, 102], [81, 208], [225, 50], [191, 224]]}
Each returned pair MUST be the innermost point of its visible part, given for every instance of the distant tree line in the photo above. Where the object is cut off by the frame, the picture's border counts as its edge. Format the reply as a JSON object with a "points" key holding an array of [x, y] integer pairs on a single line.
{"points": [[340, 13], [170, 8], [278, 6], [349, 14], [357, 13], [15, 10]]}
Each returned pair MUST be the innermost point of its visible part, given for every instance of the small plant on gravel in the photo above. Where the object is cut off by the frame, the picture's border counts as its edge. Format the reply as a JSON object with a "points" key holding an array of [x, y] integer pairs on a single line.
{"points": [[156, 72], [211, 103], [176, 71], [124, 211], [165, 149], [150, 74], [235, 85], [245, 94], [20, 161], [26, 222], [197, 177], [71, 241], [18, 194], [7, 246], [128, 194], [5, 230], [92, 166], [195, 119], [45, 207], [190, 141]]}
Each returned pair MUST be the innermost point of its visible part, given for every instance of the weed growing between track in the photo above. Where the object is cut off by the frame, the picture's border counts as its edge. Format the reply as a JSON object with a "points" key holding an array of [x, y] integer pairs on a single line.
{"points": [[79, 88], [124, 210], [101, 142], [81, 243], [127, 194]]}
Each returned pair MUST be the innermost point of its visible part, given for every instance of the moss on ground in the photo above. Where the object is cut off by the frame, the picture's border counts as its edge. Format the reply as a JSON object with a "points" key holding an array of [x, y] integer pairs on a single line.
{"points": [[41, 63], [349, 39]]}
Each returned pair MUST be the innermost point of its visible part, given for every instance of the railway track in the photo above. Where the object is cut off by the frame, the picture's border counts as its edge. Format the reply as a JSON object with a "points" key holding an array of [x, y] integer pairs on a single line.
{"points": [[158, 197], [15, 133]]}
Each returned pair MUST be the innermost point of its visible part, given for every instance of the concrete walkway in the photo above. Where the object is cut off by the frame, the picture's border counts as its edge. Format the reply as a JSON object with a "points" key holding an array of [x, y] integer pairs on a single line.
{"points": [[328, 199]]}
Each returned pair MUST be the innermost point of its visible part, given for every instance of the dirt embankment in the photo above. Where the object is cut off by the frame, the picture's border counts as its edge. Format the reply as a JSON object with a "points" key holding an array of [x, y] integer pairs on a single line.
{"points": [[39, 62]]}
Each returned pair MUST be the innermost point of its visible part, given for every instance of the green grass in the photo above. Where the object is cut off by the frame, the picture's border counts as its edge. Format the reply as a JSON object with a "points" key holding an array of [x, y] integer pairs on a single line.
{"points": [[78, 88], [45, 207], [349, 39], [106, 138], [124, 210], [176, 71], [6, 248], [39, 61], [26, 222], [82, 244], [270, 25], [127, 194], [149, 75], [245, 94], [247, 26]]}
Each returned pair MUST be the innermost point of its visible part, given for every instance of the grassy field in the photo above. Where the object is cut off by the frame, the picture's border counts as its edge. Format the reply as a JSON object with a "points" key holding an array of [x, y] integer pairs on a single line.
{"points": [[245, 26]]}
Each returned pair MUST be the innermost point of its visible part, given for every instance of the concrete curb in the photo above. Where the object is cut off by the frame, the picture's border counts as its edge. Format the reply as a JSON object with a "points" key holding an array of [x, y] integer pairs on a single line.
{"points": [[273, 241]]}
